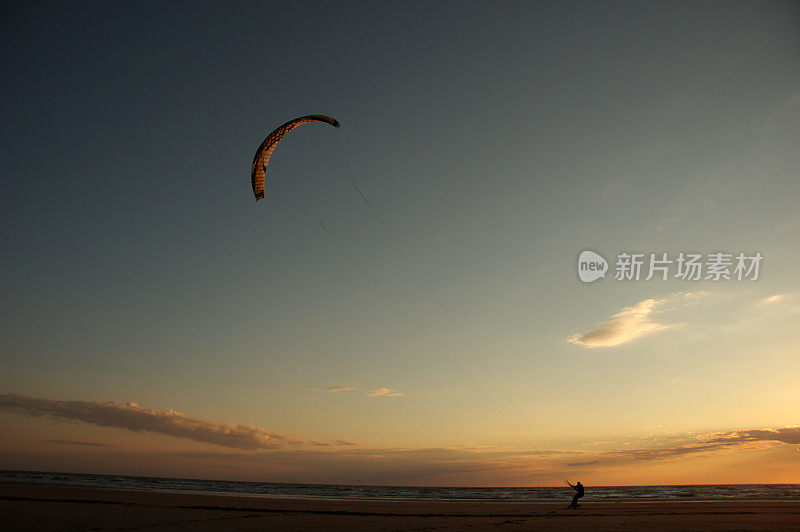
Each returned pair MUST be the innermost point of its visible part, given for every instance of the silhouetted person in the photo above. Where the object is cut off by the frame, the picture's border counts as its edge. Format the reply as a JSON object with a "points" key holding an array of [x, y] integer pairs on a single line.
{"points": [[579, 488]]}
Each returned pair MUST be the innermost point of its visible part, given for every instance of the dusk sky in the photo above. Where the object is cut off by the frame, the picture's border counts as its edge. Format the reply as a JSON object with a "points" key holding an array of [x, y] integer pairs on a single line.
{"points": [[157, 320]]}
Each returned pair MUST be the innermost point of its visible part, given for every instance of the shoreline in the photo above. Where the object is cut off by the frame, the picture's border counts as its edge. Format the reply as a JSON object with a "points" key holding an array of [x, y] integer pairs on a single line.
{"points": [[230, 494], [45, 506]]}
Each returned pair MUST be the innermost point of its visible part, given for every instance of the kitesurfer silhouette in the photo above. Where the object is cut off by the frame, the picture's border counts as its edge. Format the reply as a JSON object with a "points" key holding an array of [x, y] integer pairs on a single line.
{"points": [[579, 488]]}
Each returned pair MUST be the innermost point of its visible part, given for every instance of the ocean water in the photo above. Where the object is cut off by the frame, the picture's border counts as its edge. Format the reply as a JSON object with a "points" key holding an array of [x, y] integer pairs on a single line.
{"points": [[722, 492]]}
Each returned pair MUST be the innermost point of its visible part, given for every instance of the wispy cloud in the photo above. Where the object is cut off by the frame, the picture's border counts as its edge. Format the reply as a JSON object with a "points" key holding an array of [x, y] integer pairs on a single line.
{"points": [[634, 322], [771, 300], [790, 435], [786, 303], [385, 392], [625, 326], [79, 443], [131, 416], [336, 389], [673, 447]]}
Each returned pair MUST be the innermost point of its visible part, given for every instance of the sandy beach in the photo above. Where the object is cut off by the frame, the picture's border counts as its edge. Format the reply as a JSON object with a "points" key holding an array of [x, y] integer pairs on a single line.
{"points": [[28, 506]]}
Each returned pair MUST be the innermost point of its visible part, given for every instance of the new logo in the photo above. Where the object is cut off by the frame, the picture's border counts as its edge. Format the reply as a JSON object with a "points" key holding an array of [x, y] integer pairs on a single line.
{"points": [[591, 266]]}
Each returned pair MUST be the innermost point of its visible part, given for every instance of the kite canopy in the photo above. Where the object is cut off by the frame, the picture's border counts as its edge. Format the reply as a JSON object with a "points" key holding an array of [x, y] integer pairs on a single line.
{"points": [[261, 159]]}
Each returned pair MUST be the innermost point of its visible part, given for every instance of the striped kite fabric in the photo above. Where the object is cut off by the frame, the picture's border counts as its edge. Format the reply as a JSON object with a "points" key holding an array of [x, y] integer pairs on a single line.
{"points": [[261, 159]]}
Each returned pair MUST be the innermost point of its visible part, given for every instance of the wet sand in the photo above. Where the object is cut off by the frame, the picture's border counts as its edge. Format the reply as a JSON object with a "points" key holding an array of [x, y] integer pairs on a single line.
{"points": [[30, 506]]}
